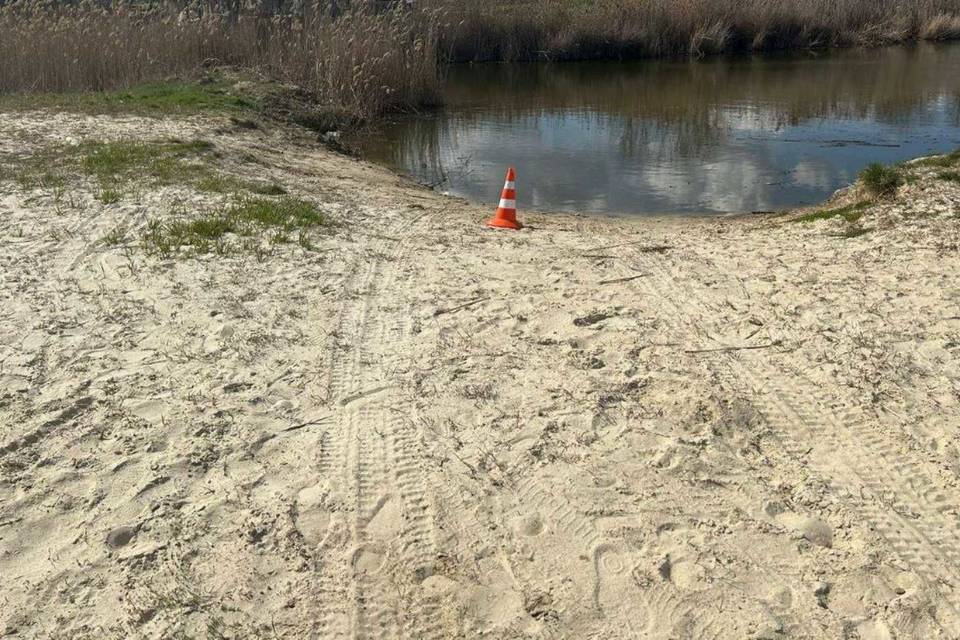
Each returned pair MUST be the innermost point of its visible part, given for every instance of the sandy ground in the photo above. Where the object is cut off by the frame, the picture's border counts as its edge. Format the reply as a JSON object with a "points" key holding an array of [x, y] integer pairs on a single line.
{"points": [[592, 428]]}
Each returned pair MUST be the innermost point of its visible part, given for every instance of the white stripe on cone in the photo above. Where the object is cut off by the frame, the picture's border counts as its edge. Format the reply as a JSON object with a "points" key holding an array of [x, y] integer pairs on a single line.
{"points": [[508, 204], [509, 184]]}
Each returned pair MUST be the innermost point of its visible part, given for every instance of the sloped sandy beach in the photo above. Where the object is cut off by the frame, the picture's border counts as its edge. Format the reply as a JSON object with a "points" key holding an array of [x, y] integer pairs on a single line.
{"points": [[416, 427]]}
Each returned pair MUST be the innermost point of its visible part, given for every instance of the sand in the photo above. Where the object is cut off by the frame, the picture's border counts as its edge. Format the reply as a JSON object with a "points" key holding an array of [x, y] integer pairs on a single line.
{"points": [[422, 428]]}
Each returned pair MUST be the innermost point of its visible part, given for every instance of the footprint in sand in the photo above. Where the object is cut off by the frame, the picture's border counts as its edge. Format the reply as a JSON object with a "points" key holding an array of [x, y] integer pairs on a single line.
{"points": [[613, 581], [680, 570], [313, 518], [490, 610], [368, 560], [529, 525], [655, 610], [120, 536], [382, 529]]}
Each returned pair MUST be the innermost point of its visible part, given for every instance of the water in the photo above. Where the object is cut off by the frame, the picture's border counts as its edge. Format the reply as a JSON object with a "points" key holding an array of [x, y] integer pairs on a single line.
{"points": [[723, 135]]}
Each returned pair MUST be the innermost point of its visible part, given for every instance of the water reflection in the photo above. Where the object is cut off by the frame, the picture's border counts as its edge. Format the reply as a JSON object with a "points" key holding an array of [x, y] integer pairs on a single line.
{"points": [[725, 135]]}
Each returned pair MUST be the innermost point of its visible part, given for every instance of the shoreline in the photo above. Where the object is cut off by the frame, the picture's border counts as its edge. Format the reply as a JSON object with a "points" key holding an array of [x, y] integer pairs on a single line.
{"points": [[734, 54], [399, 423]]}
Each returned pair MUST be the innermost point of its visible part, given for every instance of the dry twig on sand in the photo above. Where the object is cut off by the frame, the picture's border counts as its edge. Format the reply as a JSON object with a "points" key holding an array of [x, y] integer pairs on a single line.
{"points": [[775, 343]]}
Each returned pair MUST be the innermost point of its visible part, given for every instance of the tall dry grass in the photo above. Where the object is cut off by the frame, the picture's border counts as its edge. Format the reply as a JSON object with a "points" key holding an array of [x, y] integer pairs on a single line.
{"points": [[363, 62], [64, 47], [605, 29], [367, 57], [358, 59]]}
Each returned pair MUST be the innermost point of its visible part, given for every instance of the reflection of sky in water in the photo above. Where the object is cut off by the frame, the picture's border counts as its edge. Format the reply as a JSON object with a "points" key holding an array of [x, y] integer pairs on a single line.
{"points": [[744, 154]]}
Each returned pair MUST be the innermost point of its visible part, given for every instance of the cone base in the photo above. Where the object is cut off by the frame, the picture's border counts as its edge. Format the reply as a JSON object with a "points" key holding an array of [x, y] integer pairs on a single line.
{"points": [[503, 223]]}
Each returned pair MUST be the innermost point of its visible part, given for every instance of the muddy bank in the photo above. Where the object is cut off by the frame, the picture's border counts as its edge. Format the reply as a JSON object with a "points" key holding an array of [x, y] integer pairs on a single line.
{"points": [[411, 426]]}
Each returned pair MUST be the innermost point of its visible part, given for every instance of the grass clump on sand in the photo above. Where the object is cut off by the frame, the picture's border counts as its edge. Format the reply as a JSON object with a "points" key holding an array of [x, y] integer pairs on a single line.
{"points": [[851, 213], [286, 213], [248, 218], [217, 183], [880, 180], [116, 162], [115, 165], [180, 98], [33, 173], [940, 162], [108, 195]]}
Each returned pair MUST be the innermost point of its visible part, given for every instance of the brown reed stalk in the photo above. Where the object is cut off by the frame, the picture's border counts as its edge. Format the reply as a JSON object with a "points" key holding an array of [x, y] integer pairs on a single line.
{"points": [[367, 57]]}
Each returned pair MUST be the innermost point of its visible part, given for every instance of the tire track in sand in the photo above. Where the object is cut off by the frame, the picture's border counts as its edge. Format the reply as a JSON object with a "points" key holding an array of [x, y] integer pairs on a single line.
{"points": [[374, 445], [870, 473]]}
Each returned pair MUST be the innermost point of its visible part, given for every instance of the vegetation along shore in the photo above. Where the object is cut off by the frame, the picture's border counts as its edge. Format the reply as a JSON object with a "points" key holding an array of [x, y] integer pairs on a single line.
{"points": [[361, 60]]}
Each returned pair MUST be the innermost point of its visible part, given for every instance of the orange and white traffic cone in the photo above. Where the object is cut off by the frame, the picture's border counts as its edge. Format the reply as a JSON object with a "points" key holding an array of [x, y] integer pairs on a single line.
{"points": [[506, 215]]}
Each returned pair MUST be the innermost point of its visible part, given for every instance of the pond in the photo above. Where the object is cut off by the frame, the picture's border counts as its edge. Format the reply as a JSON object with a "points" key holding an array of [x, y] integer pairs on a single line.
{"points": [[724, 135]]}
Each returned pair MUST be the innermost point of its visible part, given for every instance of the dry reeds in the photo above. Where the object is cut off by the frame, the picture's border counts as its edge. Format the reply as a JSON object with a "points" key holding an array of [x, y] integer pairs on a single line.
{"points": [[363, 62], [942, 26], [359, 61], [75, 47], [367, 57], [612, 29]]}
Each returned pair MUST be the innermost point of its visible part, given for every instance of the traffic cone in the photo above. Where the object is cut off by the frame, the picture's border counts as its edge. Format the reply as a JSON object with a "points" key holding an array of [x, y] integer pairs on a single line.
{"points": [[506, 215]]}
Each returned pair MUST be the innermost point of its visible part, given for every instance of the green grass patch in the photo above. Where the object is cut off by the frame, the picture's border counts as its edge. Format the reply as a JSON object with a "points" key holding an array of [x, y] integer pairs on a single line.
{"points": [[112, 165], [215, 183], [209, 228], [880, 180], [266, 189], [181, 98], [115, 165], [851, 213], [115, 237], [940, 162], [108, 195], [285, 214], [949, 176], [253, 218], [115, 161], [200, 235], [218, 183], [37, 176]]}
